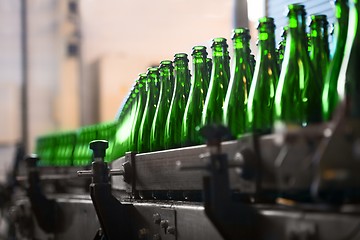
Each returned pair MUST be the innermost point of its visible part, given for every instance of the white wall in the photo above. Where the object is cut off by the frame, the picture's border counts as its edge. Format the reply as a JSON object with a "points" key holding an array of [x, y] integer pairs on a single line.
{"points": [[139, 33], [10, 76], [129, 35]]}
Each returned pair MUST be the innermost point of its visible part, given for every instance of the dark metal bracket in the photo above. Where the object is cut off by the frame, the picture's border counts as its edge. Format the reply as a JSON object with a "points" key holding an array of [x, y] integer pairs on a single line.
{"points": [[114, 217], [234, 220], [47, 212], [337, 177]]}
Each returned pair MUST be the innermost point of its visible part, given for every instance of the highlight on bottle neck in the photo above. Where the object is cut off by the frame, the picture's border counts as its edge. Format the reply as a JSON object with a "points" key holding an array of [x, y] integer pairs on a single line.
{"points": [[199, 53], [219, 46], [152, 74], [318, 25], [296, 16], [266, 27], [142, 80], [241, 38], [180, 60]]}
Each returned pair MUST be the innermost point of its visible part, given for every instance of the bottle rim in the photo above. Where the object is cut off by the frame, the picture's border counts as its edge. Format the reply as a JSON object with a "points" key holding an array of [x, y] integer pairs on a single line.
{"points": [[219, 41], [296, 6], [152, 70], [180, 55], [266, 21], [318, 17], [198, 49], [165, 63], [241, 32], [296, 9]]}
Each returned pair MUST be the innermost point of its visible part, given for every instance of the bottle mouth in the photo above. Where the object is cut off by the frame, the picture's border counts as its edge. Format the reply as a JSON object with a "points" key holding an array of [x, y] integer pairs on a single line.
{"points": [[152, 70], [295, 9], [142, 77], [219, 41], [318, 18], [266, 22], [241, 32], [165, 63], [198, 49], [180, 55]]}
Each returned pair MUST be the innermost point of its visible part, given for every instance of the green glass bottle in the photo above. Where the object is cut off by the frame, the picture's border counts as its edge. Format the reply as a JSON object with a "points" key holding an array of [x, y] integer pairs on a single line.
{"points": [[298, 94], [65, 143], [172, 138], [152, 97], [166, 89], [262, 92], [196, 100], [281, 47], [140, 107], [319, 52], [219, 81], [45, 149], [82, 153], [348, 83], [234, 111], [132, 146], [107, 131], [123, 133], [330, 98]]}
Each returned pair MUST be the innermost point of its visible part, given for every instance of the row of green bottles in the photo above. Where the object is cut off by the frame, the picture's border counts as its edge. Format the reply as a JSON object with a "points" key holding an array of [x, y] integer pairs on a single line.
{"points": [[166, 106]]}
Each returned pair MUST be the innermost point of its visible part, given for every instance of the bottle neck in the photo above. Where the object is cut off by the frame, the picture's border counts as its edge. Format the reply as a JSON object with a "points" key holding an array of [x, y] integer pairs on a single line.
{"points": [[153, 83], [166, 79], [181, 72], [241, 47], [319, 40], [267, 43], [199, 70], [342, 16], [296, 30]]}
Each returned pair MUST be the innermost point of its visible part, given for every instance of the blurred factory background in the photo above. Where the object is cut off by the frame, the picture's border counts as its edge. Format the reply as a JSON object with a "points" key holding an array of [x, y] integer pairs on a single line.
{"points": [[69, 63]]}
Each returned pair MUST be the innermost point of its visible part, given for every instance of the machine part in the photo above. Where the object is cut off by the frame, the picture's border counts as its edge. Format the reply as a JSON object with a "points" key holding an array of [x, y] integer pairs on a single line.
{"points": [[114, 217], [47, 212], [234, 220]]}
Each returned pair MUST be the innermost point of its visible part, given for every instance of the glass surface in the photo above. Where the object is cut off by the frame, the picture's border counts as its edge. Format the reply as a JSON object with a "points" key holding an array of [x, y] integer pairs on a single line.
{"points": [[262, 91], [298, 93], [172, 133], [234, 110]]}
